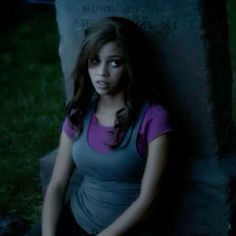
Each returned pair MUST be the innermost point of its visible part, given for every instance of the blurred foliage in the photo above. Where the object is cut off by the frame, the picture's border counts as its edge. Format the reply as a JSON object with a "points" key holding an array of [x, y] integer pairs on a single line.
{"points": [[32, 106]]}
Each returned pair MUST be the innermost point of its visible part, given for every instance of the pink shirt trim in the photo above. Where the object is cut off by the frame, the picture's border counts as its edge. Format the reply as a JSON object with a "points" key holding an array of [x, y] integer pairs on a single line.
{"points": [[155, 123]]}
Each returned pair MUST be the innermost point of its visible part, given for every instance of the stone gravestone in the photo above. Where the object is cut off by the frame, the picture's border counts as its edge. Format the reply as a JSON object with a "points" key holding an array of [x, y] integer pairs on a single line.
{"points": [[190, 41]]}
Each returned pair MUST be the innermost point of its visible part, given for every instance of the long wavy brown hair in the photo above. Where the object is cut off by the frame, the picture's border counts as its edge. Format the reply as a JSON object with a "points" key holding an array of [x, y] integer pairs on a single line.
{"points": [[138, 85]]}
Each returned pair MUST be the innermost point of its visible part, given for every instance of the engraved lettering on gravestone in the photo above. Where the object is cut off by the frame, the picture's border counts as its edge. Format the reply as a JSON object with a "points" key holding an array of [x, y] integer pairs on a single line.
{"points": [[150, 11], [99, 9], [146, 24], [82, 23], [163, 29], [144, 10]]}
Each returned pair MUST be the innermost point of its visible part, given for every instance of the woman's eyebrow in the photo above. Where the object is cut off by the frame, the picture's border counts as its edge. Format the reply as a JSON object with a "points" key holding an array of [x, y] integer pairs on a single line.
{"points": [[116, 55]]}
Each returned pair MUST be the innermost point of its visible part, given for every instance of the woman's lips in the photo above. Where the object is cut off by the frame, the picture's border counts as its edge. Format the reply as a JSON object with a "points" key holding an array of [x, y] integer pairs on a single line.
{"points": [[102, 84]]}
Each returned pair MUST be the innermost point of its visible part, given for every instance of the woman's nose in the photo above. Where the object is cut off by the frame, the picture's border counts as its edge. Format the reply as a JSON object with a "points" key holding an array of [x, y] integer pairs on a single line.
{"points": [[103, 69]]}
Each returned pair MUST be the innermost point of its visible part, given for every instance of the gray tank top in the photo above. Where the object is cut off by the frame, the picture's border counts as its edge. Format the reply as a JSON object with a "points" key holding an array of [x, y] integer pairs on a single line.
{"points": [[110, 181]]}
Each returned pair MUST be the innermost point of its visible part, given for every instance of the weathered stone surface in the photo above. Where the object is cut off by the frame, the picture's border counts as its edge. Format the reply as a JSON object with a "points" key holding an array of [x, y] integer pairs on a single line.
{"points": [[186, 38], [190, 42], [204, 208]]}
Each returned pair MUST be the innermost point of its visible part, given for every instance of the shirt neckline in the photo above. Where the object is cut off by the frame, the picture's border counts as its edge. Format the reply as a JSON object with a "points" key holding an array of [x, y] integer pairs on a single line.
{"points": [[95, 121]]}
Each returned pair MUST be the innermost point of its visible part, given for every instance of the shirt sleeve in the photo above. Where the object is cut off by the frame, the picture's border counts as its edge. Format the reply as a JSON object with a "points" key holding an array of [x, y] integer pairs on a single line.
{"points": [[69, 129], [156, 122]]}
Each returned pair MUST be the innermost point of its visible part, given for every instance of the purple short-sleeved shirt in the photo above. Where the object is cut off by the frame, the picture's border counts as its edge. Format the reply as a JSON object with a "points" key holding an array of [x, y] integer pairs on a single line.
{"points": [[155, 123]]}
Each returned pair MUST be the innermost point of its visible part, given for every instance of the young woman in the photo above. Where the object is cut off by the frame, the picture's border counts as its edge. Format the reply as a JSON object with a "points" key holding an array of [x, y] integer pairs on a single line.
{"points": [[116, 133]]}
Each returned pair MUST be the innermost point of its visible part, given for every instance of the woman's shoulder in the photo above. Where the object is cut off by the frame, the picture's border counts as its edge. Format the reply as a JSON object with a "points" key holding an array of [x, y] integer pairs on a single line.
{"points": [[75, 116], [156, 121], [156, 111], [68, 127]]}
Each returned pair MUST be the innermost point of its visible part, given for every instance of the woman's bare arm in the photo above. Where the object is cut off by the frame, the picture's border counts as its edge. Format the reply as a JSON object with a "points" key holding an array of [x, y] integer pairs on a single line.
{"points": [[57, 187], [156, 162]]}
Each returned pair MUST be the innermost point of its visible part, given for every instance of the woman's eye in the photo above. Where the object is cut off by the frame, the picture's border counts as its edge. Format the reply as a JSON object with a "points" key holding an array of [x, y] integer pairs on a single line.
{"points": [[93, 61], [116, 63]]}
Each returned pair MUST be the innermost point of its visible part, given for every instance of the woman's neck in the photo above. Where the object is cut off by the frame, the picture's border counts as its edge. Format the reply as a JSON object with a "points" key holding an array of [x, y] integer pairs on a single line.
{"points": [[110, 103], [107, 106]]}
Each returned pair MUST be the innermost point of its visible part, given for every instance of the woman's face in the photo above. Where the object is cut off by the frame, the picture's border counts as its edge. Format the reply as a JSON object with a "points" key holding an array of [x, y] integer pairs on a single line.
{"points": [[107, 69]]}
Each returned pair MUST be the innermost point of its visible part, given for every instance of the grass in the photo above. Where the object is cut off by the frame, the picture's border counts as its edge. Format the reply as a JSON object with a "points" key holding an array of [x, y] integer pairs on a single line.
{"points": [[32, 105]]}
